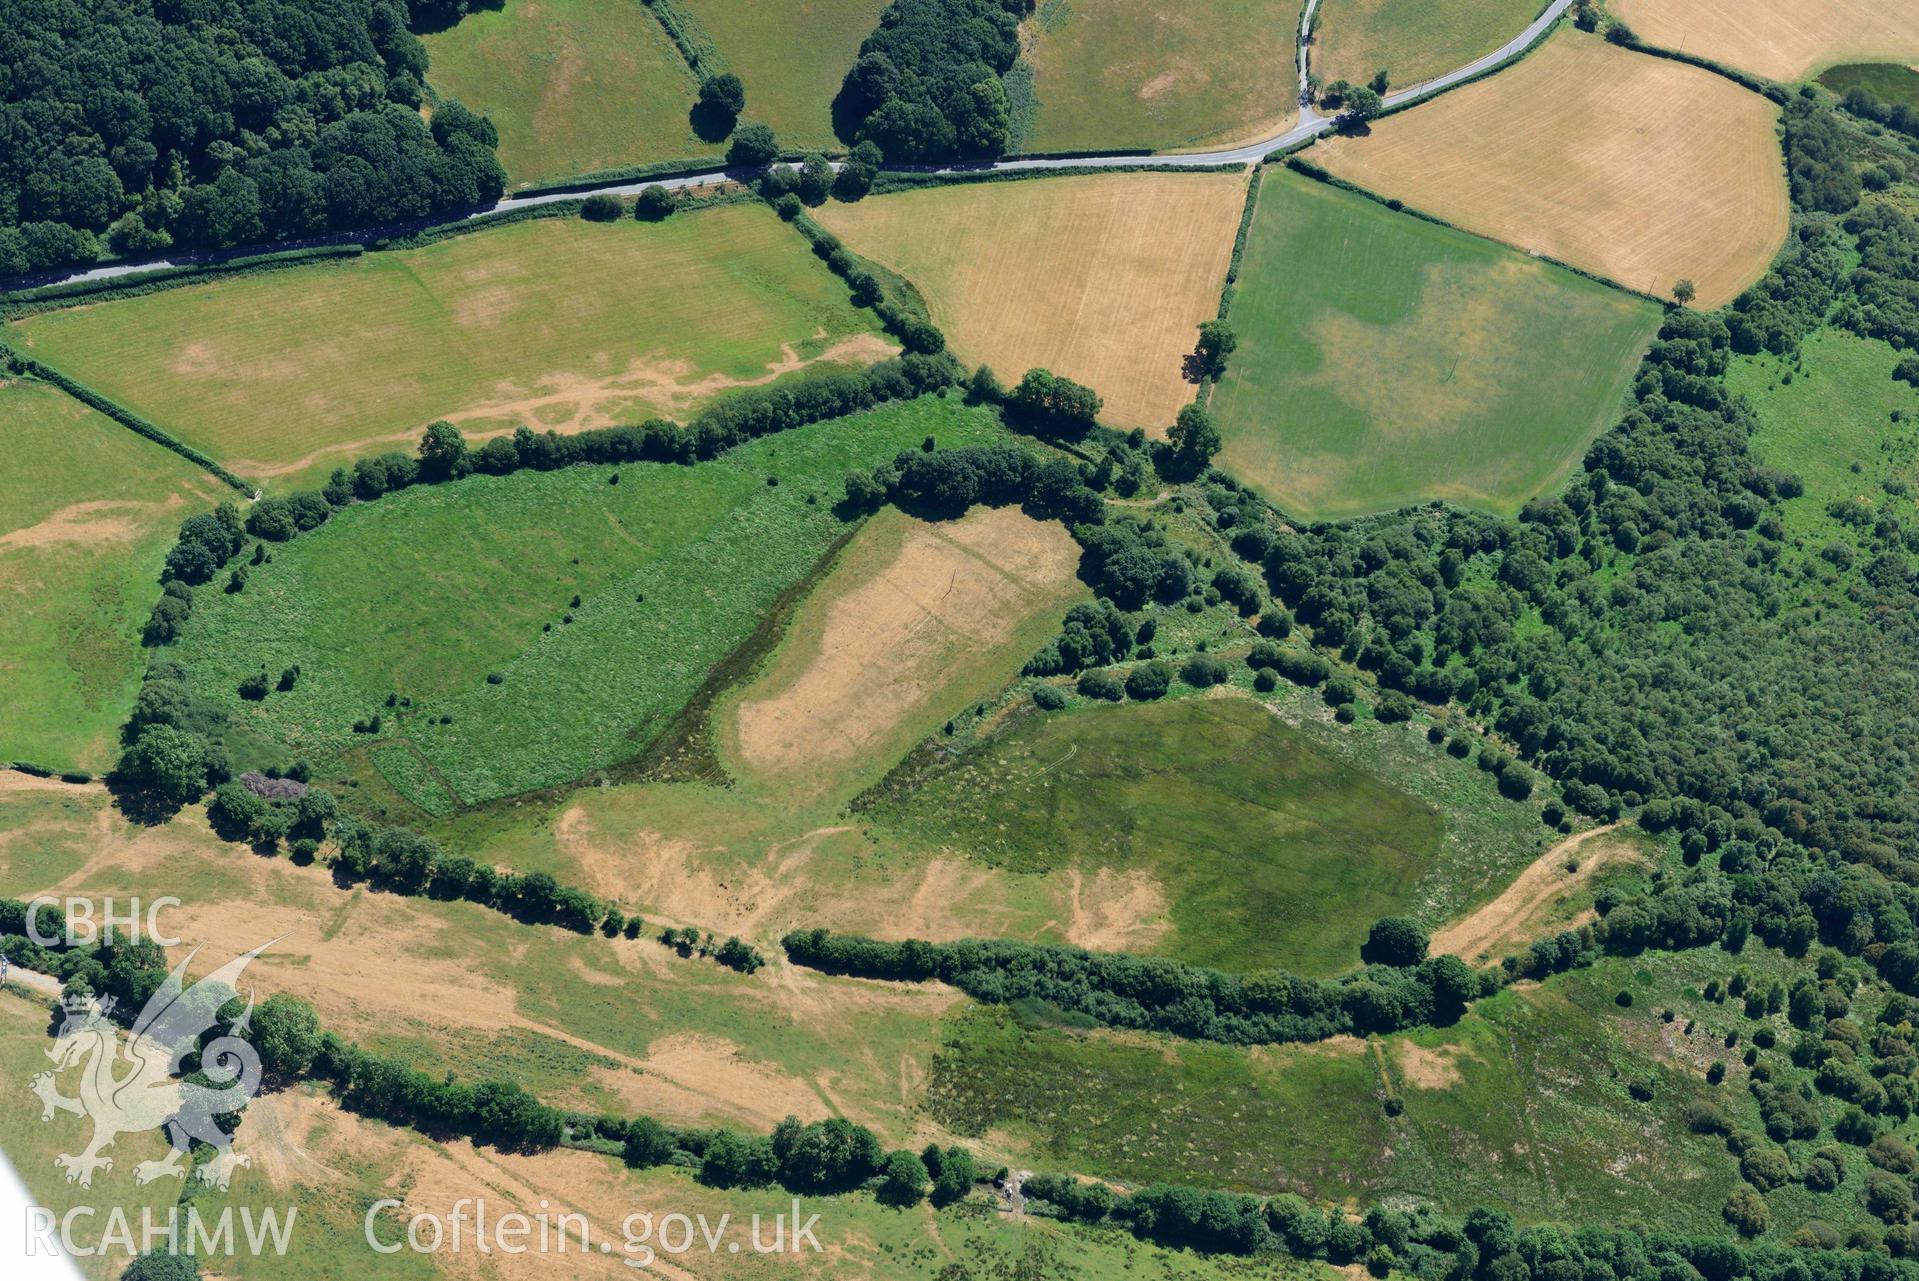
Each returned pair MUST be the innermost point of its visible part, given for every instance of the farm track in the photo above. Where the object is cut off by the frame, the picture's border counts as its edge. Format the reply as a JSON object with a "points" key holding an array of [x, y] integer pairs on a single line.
{"points": [[1310, 126]]}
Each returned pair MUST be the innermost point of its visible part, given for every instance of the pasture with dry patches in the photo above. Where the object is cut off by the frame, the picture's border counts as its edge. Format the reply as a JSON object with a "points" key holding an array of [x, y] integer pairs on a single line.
{"points": [[87, 511], [1411, 40], [573, 86], [554, 323], [1384, 360], [1782, 39], [792, 67], [1640, 169], [1103, 279], [915, 622], [1549, 896], [1118, 74]]}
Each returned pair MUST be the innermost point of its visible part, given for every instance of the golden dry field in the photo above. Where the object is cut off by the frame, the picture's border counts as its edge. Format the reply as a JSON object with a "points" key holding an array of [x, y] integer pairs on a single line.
{"points": [[1783, 39], [1640, 169], [1102, 279]]}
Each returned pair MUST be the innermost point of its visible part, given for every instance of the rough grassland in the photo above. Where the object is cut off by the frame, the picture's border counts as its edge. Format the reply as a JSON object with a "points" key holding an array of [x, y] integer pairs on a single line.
{"points": [[1523, 1104], [1136, 73], [1642, 169], [1784, 39], [428, 592], [574, 86], [1832, 425], [1888, 82], [1102, 279], [87, 511], [791, 60], [1411, 40], [1270, 853], [1384, 360], [914, 623], [557, 323]]}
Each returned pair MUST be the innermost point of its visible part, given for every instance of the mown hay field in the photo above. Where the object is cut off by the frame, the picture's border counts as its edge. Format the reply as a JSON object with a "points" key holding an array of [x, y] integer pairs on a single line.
{"points": [[87, 511], [1102, 279], [1268, 852], [1783, 39], [573, 86], [915, 622], [1411, 40], [554, 323], [1641, 169], [791, 61], [1110, 74], [600, 606], [1385, 360]]}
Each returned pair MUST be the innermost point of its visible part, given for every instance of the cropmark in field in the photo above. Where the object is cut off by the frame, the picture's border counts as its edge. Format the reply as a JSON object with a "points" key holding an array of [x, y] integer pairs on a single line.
{"points": [[1641, 169], [1384, 360], [1102, 279], [573, 86], [915, 622], [87, 511], [1112, 74], [1783, 39], [554, 323]]}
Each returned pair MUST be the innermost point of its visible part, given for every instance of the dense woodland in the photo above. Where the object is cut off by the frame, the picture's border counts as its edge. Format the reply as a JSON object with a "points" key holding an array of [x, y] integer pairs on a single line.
{"points": [[137, 125], [927, 82]]}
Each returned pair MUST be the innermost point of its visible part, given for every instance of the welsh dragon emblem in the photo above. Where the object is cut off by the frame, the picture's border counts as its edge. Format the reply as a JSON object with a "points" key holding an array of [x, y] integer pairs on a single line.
{"points": [[131, 1084]]}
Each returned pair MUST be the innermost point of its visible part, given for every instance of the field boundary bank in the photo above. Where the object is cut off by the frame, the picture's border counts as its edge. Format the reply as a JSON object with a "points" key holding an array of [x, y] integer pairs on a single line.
{"points": [[1307, 169], [702, 57], [1768, 89], [125, 417]]}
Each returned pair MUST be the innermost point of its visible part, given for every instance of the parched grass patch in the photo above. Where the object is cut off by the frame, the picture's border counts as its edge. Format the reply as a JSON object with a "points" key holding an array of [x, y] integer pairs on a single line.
{"points": [[791, 63], [573, 86], [555, 323], [1270, 853], [1641, 169], [1411, 40], [1384, 360], [87, 511], [541, 625], [915, 621], [1103, 279], [1113, 74], [1783, 39]]}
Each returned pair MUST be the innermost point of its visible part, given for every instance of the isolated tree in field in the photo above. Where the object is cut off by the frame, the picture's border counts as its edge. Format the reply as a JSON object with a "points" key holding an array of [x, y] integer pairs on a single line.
{"points": [[1194, 437], [1683, 292], [655, 203], [1379, 82], [752, 147], [1394, 940], [723, 94]]}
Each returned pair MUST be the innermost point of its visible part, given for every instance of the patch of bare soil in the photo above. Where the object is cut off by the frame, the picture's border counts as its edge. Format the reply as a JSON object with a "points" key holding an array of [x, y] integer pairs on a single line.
{"points": [[1115, 912], [1426, 1069], [1516, 915], [89, 522]]}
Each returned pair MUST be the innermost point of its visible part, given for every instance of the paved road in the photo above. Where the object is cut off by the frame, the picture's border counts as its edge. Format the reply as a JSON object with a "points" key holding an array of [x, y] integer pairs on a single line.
{"points": [[1310, 125]]}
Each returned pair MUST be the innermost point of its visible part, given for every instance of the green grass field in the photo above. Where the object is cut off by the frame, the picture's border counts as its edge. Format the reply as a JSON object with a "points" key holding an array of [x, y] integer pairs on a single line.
{"points": [[1890, 82], [426, 593], [574, 86], [1385, 360], [1832, 425], [1522, 1104], [554, 323], [791, 67], [1130, 73], [87, 511], [1411, 40], [1270, 853]]}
